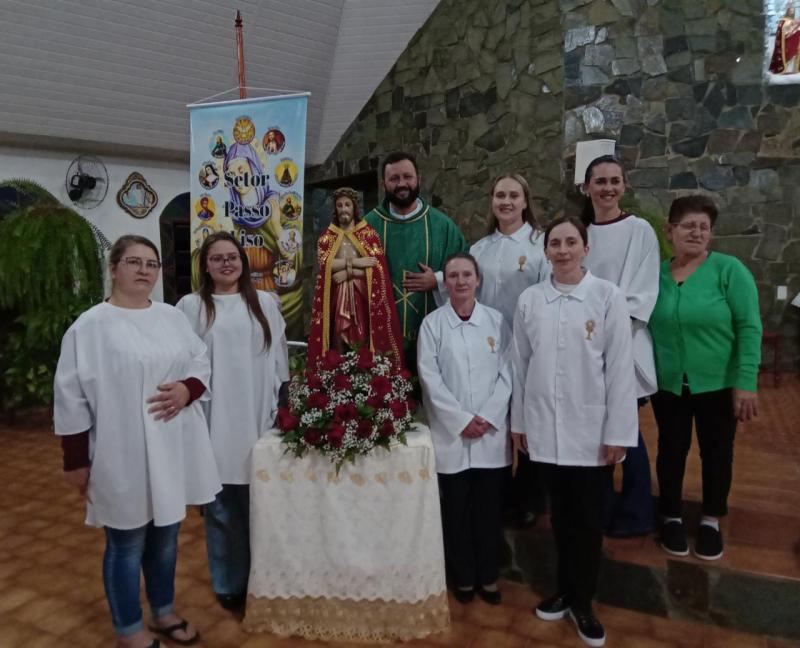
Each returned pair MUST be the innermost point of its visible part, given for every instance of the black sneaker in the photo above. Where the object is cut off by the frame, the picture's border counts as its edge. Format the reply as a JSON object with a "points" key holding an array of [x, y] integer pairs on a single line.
{"points": [[553, 608], [708, 545], [589, 629], [673, 538]]}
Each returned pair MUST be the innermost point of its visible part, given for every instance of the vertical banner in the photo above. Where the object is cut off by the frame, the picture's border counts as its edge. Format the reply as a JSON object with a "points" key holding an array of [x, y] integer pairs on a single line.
{"points": [[247, 175]]}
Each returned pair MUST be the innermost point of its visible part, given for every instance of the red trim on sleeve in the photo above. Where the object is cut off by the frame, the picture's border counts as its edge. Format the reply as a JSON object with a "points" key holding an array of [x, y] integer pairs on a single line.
{"points": [[196, 388], [76, 451]]}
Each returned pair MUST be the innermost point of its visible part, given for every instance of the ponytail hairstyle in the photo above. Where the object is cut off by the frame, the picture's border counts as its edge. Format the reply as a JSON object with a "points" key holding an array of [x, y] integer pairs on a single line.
{"points": [[587, 216], [246, 288], [527, 212]]}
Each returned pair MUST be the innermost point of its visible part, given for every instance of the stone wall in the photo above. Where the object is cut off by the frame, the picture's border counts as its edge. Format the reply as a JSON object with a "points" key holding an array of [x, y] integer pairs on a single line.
{"points": [[491, 85], [479, 90], [678, 83]]}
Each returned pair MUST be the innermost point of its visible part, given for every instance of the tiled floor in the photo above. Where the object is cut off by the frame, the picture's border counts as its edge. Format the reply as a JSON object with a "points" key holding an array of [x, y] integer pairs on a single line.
{"points": [[51, 592]]}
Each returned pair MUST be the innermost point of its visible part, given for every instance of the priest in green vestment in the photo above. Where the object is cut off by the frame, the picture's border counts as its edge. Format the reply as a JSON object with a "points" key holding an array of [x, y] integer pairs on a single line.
{"points": [[417, 239]]}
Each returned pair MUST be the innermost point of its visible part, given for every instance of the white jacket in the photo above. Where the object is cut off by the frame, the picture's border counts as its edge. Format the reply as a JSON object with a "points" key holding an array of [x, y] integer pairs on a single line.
{"points": [[464, 370], [573, 374]]}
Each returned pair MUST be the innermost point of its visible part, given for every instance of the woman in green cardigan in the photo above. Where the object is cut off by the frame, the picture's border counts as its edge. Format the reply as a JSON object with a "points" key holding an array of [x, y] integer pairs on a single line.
{"points": [[706, 330]]}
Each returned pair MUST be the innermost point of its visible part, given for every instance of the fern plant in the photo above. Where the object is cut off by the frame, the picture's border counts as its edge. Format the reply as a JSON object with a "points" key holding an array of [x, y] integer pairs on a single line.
{"points": [[50, 272]]}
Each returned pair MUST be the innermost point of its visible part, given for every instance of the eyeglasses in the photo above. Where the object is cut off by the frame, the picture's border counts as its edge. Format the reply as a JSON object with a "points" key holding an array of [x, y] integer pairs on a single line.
{"points": [[220, 259], [138, 262], [705, 228]]}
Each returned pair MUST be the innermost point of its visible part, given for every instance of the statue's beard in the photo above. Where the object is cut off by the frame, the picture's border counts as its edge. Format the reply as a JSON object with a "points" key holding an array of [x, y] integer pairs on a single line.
{"points": [[404, 201]]}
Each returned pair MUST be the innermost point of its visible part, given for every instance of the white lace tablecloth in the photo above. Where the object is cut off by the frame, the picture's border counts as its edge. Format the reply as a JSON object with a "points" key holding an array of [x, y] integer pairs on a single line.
{"points": [[356, 555]]}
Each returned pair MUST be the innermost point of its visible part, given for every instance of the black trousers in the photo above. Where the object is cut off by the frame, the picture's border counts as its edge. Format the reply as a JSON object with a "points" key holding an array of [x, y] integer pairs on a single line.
{"points": [[528, 493], [472, 525], [712, 413], [576, 515]]}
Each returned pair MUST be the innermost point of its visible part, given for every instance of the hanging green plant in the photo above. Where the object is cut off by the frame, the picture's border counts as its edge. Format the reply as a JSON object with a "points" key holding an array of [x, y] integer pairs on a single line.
{"points": [[50, 272]]}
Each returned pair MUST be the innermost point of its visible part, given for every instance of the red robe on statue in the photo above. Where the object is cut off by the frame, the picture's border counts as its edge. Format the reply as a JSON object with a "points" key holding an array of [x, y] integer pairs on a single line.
{"points": [[361, 309], [787, 46]]}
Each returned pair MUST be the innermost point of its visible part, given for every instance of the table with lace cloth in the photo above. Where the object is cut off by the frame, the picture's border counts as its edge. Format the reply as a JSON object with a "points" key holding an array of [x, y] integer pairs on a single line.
{"points": [[356, 556]]}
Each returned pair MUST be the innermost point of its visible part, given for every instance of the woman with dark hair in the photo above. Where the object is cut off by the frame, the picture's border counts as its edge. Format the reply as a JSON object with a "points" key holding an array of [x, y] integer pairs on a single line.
{"points": [[623, 249], [135, 440], [466, 386], [245, 335], [572, 409], [706, 329]]}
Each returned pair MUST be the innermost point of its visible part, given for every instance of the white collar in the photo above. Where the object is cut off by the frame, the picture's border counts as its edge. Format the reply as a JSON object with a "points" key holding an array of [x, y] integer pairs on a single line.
{"points": [[411, 214], [454, 320], [518, 236], [551, 293]]}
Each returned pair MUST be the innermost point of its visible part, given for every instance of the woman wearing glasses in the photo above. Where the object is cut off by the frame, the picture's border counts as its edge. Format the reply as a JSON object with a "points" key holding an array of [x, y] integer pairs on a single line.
{"points": [[706, 330], [245, 334], [135, 439]]}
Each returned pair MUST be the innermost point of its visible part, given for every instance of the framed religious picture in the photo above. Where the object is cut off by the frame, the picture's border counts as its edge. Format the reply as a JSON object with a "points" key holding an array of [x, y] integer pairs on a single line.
{"points": [[136, 196]]}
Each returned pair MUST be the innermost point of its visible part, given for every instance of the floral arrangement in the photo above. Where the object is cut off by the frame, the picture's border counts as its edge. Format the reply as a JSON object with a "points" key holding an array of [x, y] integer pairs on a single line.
{"points": [[347, 405]]}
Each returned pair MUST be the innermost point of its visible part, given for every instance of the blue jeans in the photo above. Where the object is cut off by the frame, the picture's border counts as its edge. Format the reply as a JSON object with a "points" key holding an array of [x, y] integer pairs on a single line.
{"points": [[227, 521], [149, 549], [631, 512]]}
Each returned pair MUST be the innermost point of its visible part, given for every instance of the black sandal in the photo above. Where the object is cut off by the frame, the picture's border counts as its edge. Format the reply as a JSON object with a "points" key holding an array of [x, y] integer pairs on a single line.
{"points": [[170, 631]]}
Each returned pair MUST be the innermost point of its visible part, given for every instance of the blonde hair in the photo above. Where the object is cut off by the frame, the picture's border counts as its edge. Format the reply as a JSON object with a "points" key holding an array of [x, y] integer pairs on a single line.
{"points": [[527, 212]]}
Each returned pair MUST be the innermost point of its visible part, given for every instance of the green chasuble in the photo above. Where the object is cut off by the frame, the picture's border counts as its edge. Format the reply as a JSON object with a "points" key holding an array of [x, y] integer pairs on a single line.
{"points": [[428, 237]]}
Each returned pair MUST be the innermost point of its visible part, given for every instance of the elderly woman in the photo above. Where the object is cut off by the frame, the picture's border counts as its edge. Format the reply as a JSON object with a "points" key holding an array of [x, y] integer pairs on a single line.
{"points": [[245, 335], [466, 387], [706, 330], [573, 409], [136, 444]]}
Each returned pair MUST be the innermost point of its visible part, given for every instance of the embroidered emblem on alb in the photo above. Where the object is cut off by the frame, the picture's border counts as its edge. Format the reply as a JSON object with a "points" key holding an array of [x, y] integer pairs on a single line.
{"points": [[492, 342], [589, 329], [521, 261]]}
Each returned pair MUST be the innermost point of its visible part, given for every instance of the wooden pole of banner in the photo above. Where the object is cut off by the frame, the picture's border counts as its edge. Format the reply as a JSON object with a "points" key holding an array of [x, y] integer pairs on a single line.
{"points": [[240, 55]]}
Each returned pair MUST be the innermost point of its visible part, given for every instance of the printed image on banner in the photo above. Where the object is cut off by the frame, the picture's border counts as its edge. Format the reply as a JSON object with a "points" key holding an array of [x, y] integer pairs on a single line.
{"points": [[247, 176]]}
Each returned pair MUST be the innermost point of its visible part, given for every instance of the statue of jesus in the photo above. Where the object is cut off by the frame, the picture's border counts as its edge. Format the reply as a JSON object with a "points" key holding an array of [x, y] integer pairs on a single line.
{"points": [[353, 305], [785, 57]]}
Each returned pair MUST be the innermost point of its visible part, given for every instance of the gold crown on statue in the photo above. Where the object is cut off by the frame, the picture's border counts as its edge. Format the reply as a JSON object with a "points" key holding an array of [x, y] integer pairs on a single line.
{"points": [[243, 130]]}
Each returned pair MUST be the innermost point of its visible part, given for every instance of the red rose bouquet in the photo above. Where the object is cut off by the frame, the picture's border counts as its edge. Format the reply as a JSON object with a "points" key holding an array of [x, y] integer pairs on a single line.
{"points": [[346, 406]]}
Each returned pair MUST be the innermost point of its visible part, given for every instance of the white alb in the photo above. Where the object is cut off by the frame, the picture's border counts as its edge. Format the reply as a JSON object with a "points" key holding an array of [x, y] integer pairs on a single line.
{"points": [[245, 376], [112, 360], [509, 263], [625, 252]]}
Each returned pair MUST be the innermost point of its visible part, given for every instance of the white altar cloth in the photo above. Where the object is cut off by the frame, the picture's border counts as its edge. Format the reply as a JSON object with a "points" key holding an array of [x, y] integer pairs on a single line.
{"points": [[356, 555]]}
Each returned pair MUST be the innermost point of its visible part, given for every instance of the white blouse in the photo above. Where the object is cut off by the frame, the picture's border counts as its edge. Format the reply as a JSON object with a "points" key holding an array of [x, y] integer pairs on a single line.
{"points": [[245, 379], [573, 376], [509, 264], [112, 360], [464, 371], [626, 253]]}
